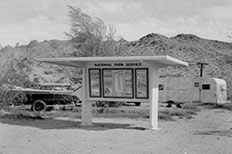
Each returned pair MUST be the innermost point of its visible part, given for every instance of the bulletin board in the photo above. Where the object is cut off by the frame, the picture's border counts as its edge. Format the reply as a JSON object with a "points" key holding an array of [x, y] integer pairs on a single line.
{"points": [[112, 80], [117, 82]]}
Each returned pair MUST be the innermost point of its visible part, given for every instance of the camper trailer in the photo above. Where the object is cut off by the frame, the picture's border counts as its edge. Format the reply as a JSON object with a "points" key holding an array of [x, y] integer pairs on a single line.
{"points": [[193, 90]]}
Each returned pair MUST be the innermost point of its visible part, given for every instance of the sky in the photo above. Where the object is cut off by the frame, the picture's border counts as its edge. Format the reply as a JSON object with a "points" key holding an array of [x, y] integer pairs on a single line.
{"points": [[22, 21]]}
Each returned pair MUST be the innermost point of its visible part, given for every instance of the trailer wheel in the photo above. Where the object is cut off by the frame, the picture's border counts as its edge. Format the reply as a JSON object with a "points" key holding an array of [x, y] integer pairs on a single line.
{"points": [[137, 103], [170, 102], [38, 106]]}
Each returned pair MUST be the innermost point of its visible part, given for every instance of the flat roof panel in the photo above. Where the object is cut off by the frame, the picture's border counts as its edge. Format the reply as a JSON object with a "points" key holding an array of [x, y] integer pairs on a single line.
{"points": [[81, 61]]}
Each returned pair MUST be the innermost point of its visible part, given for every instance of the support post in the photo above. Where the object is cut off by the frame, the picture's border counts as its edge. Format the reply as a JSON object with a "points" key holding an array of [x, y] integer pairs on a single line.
{"points": [[86, 113], [154, 96]]}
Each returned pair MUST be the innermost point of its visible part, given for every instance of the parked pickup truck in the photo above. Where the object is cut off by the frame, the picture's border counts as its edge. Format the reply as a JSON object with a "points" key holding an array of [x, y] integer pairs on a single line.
{"points": [[42, 99]]}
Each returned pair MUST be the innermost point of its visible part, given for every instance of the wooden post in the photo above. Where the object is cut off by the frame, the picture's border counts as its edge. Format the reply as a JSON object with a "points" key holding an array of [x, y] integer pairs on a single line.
{"points": [[86, 113]]}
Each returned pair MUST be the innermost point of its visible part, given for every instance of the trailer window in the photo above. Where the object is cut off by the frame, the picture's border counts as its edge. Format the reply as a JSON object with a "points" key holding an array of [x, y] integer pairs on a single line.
{"points": [[205, 86], [196, 84], [161, 87]]}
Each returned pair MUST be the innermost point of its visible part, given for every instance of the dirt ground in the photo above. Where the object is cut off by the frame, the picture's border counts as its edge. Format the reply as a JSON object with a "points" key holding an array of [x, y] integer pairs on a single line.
{"points": [[209, 132]]}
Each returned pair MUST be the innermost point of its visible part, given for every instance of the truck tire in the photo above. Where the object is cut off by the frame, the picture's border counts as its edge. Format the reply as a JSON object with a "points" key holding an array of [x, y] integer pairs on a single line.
{"points": [[39, 105]]}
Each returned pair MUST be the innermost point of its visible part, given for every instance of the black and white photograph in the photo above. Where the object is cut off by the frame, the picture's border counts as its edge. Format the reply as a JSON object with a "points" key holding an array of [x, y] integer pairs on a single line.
{"points": [[115, 77]]}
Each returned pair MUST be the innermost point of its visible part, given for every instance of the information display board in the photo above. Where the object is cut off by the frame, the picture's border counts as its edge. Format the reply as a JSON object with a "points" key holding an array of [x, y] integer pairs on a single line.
{"points": [[95, 82], [112, 81], [118, 83], [141, 88]]}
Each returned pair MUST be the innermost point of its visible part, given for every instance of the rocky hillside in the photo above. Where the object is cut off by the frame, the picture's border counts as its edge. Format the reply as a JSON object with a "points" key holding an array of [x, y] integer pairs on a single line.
{"points": [[191, 49], [40, 72], [186, 47]]}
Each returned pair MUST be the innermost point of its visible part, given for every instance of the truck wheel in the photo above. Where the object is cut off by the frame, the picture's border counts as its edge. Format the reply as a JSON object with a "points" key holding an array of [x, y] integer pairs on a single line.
{"points": [[39, 106], [137, 103]]}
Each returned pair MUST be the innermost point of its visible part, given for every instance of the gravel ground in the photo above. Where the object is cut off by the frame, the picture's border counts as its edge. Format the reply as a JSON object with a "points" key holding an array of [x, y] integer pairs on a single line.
{"points": [[209, 132]]}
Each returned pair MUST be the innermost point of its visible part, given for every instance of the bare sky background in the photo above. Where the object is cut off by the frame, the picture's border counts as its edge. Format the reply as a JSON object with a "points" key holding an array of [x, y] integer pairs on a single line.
{"points": [[24, 20]]}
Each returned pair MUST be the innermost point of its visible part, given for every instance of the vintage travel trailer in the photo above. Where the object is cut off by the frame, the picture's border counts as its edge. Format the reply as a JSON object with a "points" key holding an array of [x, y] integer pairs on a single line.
{"points": [[193, 90]]}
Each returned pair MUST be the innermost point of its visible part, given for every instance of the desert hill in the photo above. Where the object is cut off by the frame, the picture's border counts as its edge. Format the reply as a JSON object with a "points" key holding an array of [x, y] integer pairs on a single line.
{"points": [[187, 47], [192, 49], [39, 72]]}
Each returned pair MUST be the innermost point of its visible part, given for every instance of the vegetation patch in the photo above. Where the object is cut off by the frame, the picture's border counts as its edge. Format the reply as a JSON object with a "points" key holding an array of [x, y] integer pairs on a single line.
{"points": [[19, 114], [191, 106], [226, 106], [117, 112], [176, 112], [166, 114], [165, 117]]}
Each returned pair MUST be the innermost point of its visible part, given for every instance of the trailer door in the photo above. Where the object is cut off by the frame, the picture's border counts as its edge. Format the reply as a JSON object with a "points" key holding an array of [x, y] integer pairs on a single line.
{"points": [[196, 95]]}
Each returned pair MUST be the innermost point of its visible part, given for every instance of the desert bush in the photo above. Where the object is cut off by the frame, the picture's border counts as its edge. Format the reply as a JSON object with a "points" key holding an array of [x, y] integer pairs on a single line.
{"points": [[61, 113], [180, 113], [36, 80], [191, 106], [8, 97], [17, 114], [124, 112], [191, 112], [176, 112], [108, 104], [76, 109], [100, 110], [165, 117], [226, 106], [14, 72], [47, 72]]}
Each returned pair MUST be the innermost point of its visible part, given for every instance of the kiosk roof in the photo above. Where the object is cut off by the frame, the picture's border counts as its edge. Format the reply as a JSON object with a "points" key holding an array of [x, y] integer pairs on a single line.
{"points": [[81, 61]]}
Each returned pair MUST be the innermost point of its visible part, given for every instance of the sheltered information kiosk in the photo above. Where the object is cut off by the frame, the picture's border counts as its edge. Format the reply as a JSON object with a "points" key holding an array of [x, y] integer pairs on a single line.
{"points": [[132, 79]]}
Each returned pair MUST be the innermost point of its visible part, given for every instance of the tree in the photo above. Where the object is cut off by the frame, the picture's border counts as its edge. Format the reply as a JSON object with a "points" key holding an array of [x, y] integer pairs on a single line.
{"points": [[91, 37]]}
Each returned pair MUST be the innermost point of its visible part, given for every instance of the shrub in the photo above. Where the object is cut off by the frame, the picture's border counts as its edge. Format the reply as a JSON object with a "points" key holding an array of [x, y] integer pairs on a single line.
{"points": [[15, 113], [48, 72], [8, 97], [227, 106], [14, 72], [165, 117], [191, 106]]}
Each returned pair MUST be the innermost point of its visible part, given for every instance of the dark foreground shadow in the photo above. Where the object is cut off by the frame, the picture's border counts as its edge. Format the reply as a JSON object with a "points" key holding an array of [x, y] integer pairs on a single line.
{"points": [[49, 123]]}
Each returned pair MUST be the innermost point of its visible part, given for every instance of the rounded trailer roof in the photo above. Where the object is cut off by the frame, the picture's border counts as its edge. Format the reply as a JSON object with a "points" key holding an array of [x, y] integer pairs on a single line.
{"points": [[219, 81], [207, 79]]}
